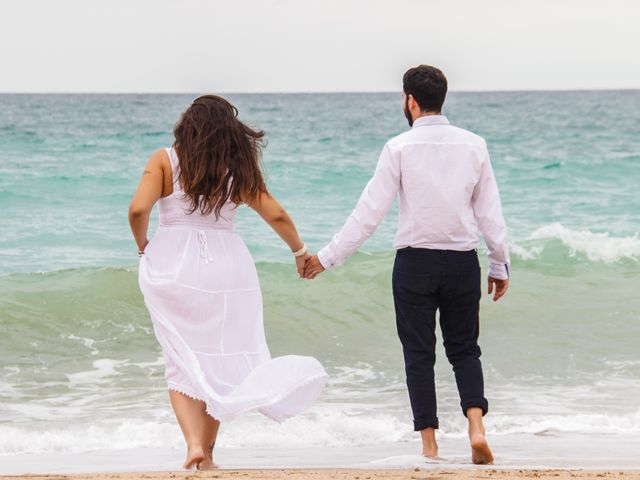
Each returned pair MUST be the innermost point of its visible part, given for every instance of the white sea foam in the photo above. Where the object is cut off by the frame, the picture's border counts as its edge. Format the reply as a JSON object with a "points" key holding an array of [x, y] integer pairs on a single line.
{"points": [[319, 429], [329, 428], [103, 368], [87, 342], [597, 247], [404, 461], [524, 253], [158, 362], [127, 434], [7, 390], [595, 423]]}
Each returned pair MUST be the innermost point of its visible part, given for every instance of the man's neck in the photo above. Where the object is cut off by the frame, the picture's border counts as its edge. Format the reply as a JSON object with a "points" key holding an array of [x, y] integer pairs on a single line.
{"points": [[426, 114]]}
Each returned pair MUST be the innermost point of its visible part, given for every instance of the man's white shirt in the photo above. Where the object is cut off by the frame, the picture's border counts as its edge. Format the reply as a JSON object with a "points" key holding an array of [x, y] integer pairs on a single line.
{"points": [[448, 196]]}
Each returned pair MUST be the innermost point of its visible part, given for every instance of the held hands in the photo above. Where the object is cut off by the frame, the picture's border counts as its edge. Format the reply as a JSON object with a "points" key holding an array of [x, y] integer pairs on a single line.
{"points": [[301, 263], [501, 287], [308, 266], [312, 268]]}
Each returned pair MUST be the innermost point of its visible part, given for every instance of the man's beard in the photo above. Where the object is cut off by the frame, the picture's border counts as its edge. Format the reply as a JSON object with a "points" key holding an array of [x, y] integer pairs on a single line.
{"points": [[406, 111]]}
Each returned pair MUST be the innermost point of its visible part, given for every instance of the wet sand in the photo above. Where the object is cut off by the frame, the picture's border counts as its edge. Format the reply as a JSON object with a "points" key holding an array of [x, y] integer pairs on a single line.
{"points": [[350, 474]]}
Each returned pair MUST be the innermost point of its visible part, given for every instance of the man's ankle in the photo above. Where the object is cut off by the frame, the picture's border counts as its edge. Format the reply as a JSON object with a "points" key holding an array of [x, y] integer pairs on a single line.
{"points": [[476, 425], [429, 443]]}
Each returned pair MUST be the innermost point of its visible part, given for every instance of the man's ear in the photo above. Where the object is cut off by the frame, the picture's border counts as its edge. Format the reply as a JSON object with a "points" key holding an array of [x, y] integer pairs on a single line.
{"points": [[412, 103]]}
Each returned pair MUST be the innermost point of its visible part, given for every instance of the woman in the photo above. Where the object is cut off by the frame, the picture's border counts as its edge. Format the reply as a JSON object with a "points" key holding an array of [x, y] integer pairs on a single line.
{"points": [[200, 283]]}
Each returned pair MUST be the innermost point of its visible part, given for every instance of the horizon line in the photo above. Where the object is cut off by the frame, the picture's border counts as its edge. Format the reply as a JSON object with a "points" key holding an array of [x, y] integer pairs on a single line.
{"points": [[310, 92]]}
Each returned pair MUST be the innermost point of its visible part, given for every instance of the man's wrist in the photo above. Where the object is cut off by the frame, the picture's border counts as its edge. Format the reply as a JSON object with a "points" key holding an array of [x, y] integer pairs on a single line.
{"points": [[324, 258], [499, 271]]}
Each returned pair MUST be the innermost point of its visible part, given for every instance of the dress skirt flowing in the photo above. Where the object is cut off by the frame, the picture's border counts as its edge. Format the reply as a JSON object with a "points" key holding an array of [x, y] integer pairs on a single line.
{"points": [[201, 288]]}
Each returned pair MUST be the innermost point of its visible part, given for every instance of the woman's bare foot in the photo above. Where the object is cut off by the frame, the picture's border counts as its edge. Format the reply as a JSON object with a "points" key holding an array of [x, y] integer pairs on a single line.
{"points": [[195, 455], [207, 464], [480, 451]]}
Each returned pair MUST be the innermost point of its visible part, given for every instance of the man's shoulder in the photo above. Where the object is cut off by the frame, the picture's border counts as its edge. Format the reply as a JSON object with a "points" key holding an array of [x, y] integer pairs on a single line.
{"points": [[399, 140], [443, 134], [467, 135]]}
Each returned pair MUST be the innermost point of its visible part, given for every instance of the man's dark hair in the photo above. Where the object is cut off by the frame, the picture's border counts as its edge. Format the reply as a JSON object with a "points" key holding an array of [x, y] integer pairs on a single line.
{"points": [[427, 85]]}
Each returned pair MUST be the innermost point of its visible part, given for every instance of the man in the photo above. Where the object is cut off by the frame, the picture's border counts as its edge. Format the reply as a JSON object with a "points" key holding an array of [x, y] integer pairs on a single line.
{"points": [[448, 195]]}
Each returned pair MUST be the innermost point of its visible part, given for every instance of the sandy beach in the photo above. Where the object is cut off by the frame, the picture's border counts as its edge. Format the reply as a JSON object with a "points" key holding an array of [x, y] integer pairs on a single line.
{"points": [[350, 474]]}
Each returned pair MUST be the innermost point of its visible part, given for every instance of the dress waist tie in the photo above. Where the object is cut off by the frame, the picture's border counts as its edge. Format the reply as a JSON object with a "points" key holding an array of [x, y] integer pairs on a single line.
{"points": [[203, 247]]}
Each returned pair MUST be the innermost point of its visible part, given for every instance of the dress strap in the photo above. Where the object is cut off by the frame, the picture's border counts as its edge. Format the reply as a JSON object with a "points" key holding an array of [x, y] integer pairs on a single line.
{"points": [[173, 158]]}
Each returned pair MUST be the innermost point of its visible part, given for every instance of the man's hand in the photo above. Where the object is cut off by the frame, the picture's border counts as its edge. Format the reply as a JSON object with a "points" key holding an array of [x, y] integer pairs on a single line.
{"points": [[312, 268], [301, 262], [501, 287]]}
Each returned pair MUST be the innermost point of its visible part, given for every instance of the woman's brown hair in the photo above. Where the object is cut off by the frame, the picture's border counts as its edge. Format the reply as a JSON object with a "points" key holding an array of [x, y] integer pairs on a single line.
{"points": [[219, 156]]}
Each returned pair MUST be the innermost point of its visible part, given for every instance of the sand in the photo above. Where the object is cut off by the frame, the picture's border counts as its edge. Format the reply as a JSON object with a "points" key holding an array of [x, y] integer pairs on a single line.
{"points": [[350, 474]]}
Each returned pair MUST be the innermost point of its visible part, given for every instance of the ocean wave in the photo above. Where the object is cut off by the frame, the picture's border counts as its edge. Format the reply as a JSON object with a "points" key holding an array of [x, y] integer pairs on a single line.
{"points": [[597, 423], [329, 428], [321, 428], [549, 243], [124, 435], [593, 246]]}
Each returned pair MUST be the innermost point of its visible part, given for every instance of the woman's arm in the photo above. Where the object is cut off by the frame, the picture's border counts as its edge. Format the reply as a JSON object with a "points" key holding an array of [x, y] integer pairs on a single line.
{"points": [[148, 192], [276, 216]]}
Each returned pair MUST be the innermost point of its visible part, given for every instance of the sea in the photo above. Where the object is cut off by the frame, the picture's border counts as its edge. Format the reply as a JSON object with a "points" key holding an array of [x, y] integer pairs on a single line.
{"points": [[81, 373]]}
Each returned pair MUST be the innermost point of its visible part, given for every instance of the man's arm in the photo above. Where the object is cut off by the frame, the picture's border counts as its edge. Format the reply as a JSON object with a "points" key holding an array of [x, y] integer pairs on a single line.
{"points": [[374, 203], [488, 213]]}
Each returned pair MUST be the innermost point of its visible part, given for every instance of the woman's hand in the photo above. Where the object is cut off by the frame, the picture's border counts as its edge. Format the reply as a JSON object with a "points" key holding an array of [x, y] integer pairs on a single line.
{"points": [[313, 268], [144, 245], [301, 261]]}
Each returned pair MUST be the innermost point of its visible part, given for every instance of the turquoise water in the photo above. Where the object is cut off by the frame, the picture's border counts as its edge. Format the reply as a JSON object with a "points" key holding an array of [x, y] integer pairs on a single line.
{"points": [[70, 165], [78, 359]]}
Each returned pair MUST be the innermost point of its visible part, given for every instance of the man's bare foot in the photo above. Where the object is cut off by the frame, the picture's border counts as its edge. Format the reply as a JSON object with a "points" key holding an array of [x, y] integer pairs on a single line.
{"points": [[195, 455], [434, 458], [429, 443], [430, 452], [480, 451]]}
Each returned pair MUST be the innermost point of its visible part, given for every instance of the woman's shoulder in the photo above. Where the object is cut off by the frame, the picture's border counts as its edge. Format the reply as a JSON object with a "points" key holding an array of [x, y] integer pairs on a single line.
{"points": [[162, 158], [161, 154]]}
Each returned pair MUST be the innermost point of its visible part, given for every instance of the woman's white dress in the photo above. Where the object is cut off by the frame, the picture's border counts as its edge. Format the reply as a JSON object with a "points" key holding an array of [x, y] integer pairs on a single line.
{"points": [[201, 288]]}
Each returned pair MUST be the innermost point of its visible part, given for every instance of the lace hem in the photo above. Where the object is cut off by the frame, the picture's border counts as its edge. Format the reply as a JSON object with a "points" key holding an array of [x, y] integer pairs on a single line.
{"points": [[210, 409], [185, 391]]}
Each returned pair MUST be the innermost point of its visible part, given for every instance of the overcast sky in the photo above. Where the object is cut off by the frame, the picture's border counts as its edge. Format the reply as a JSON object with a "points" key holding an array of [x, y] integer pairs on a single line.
{"points": [[315, 45]]}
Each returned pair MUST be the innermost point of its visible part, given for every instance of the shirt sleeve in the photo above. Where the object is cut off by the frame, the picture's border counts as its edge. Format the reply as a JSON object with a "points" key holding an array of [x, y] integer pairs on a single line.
{"points": [[488, 213], [373, 205]]}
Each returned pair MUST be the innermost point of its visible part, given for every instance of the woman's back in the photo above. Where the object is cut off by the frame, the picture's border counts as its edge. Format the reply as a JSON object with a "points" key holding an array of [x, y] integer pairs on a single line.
{"points": [[200, 283], [174, 209]]}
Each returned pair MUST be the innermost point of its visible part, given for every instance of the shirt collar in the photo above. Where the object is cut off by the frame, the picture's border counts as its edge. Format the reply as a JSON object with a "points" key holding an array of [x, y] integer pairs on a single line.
{"points": [[431, 120]]}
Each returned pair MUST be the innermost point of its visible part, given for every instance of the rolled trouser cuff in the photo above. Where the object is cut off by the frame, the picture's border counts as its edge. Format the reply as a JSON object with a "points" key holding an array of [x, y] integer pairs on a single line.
{"points": [[422, 423], [477, 403]]}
